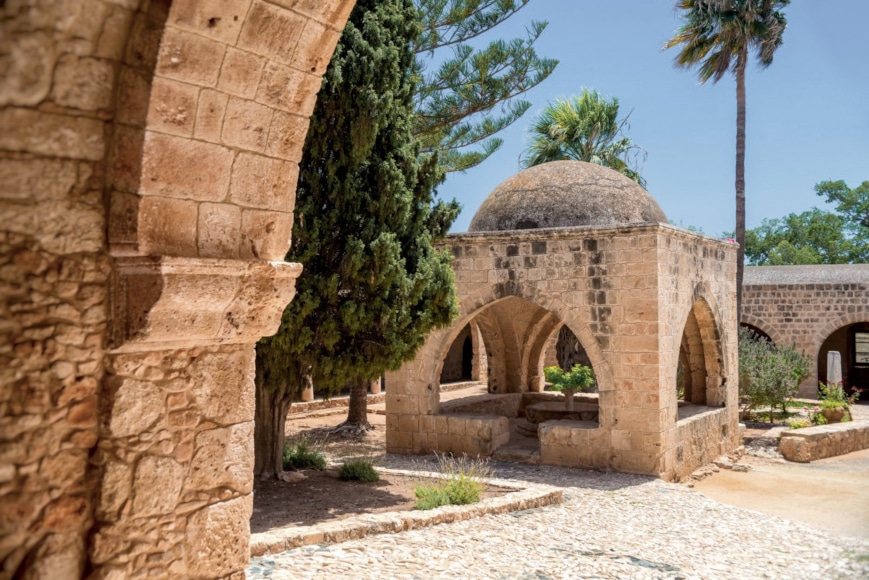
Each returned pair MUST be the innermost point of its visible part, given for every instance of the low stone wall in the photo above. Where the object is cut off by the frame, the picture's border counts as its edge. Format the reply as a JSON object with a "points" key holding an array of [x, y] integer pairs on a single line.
{"points": [[573, 444], [505, 405], [469, 434], [702, 438], [805, 445]]}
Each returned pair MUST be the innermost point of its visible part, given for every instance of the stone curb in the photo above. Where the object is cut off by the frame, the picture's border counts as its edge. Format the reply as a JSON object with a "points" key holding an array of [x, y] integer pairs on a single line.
{"points": [[527, 496]]}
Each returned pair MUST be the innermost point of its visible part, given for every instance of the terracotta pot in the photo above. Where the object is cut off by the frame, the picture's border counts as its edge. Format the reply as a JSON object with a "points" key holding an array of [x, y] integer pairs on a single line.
{"points": [[833, 415]]}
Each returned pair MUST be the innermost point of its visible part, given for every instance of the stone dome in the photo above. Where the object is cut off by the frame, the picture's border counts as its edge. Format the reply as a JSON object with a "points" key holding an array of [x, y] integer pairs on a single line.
{"points": [[563, 194]]}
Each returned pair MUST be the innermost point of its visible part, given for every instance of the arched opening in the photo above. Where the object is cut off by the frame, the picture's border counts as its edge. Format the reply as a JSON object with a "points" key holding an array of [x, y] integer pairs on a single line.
{"points": [[852, 343], [459, 362], [699, 366], [757, 331]]}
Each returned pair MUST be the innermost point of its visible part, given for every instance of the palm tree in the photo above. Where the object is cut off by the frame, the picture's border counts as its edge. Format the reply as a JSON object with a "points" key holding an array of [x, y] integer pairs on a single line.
{"points": [[582, 128], [716, 37]]}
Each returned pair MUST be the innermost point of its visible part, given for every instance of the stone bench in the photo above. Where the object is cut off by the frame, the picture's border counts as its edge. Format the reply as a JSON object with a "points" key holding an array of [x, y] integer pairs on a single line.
{"points": [[809, 444]]}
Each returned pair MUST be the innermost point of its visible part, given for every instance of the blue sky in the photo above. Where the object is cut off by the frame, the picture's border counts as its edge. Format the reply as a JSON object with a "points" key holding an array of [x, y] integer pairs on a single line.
{"points": [[807, 119]]}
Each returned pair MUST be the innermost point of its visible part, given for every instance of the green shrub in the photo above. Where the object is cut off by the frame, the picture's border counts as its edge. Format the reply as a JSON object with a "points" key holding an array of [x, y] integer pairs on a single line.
{"points": [[429, 497], [464, 485], [301, 455], [799, 423], [359, 470], [769, 374]]}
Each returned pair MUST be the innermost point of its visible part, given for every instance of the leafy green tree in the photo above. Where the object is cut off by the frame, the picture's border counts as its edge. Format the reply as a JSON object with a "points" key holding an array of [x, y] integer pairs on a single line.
{"points": [[583, 128], [366, 218], [811, 237], [816, 236], [717, 37], [853, 206], [457, 101]]}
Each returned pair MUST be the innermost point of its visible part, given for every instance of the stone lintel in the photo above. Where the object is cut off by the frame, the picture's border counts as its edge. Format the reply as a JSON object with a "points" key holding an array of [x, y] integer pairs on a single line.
{"points": [[170, 302]]}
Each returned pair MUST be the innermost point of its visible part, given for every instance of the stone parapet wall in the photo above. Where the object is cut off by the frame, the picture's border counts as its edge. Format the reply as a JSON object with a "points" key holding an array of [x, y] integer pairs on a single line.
{"points": [[813, 443], [701, 439], [474, 435]]}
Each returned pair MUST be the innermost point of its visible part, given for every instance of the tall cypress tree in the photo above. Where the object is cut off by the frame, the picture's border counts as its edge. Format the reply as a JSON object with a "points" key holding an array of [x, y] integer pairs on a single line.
{"points": [[366, 217]]}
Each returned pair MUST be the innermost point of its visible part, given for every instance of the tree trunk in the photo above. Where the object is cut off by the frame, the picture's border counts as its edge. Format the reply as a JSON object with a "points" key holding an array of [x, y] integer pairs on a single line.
{"points": [[357, 423], [740, 175], [269, 430]]}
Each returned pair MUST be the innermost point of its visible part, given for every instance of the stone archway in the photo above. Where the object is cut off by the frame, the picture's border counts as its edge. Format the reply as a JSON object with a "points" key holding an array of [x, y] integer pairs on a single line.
{"points": [[701, 356], [148, 160]]}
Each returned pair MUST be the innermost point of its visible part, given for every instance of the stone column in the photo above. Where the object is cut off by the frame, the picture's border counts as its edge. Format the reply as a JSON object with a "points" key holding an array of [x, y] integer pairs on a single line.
{"points": [[374, 387], [175, 456]]}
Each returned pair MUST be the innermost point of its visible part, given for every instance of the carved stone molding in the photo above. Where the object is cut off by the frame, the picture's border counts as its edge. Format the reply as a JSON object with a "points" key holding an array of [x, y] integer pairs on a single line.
{"points": [[169, 302]]}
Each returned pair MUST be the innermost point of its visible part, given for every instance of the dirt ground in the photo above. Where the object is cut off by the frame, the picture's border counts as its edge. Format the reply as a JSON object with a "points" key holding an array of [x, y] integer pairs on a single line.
{"points": [[323, 497], [831, 493]]}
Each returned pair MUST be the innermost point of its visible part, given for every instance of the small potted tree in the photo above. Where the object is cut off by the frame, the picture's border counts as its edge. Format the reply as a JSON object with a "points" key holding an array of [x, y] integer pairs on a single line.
{"points": [[578, 378]]}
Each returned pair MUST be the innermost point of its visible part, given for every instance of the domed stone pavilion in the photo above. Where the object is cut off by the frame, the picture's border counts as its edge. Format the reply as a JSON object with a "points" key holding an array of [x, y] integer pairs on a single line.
{"points": [[571, 262]]}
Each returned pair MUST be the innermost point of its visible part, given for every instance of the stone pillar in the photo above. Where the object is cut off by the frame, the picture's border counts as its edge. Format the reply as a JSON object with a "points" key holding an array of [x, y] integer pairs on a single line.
{"points": [[175, 456], [374, 387]]}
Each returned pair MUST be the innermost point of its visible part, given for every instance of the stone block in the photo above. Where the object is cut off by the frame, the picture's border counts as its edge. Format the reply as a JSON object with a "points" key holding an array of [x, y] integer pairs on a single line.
{"points": [[427, 424], [189, 57], [36, 179], [167, 226], [288, 89], [408, 423], [209, 115], [173, 107], [315, 47], [29, 64], [263, 183], [127, 159], [219, 232], [223, 458], [217, 19], [272, 32], [139, 407], [212, 372], [83, 83], [246, 124], [181, 168], [217, 537], [51, 135], [286, 136], [458, 425], [157, 483], [240, 73]]}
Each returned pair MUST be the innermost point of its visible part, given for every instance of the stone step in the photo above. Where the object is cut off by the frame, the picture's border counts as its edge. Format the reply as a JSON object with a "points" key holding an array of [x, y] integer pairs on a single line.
{"points": [[523, 454]]}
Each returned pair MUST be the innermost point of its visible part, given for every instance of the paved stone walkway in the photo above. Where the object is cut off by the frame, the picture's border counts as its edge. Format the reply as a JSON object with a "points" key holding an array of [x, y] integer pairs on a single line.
{"points": [[610, 526]]}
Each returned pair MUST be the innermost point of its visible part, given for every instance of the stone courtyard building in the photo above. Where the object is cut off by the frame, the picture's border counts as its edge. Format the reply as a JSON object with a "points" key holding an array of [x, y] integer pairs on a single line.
{"points": [[575, 245], [816, 309]]}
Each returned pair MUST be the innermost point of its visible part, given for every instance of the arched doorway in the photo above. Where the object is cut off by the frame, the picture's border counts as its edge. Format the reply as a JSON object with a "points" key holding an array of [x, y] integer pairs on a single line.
{"points": [[459, 362], [852, 342], [699, 365]]}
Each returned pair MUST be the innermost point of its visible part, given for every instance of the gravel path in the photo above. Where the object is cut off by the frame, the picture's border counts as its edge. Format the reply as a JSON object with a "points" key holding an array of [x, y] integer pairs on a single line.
{"points": [[611, 525]]}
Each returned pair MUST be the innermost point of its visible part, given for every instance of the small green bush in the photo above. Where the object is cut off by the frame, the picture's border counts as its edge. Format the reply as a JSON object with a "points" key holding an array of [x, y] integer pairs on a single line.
{"points": [[799, 423], [429, 497], [465, 484], [359, 470], [301, 455], [578, 378]]}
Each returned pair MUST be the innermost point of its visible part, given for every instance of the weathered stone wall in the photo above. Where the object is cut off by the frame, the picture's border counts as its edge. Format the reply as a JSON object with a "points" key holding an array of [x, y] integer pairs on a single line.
{"points": [[804, 305], [147, 171], [625, 293]]}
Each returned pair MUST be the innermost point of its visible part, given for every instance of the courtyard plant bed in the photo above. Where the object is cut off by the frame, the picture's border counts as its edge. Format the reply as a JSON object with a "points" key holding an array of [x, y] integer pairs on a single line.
{"points": [[323, 509]]}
